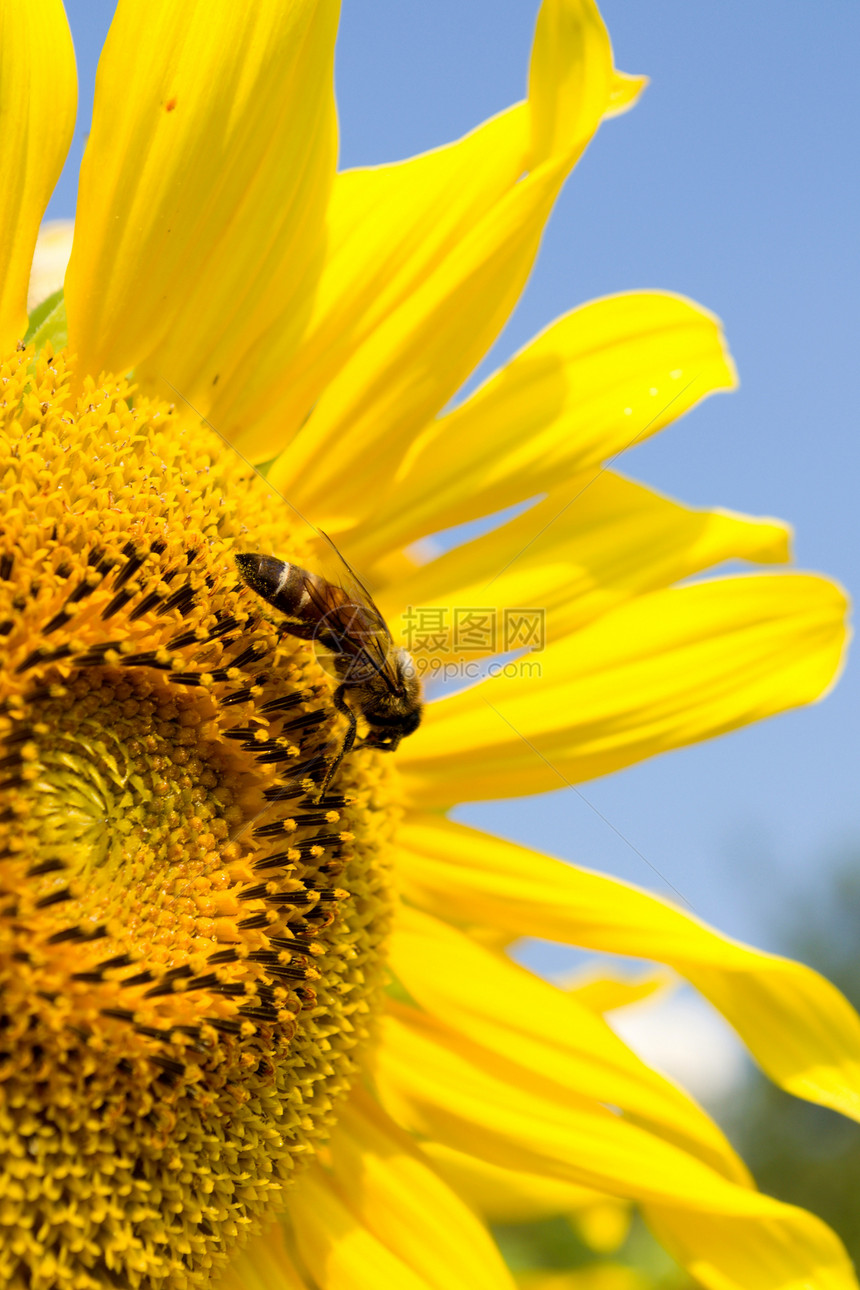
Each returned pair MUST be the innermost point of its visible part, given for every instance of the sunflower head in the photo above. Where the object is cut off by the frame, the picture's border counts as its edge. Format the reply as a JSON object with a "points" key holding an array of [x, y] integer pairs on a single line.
{"points": [[197, 916], [191, 934]]}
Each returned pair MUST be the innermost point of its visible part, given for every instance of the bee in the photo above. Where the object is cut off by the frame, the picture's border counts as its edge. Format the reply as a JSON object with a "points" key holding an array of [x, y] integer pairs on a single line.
{"points": [[376, 680]]}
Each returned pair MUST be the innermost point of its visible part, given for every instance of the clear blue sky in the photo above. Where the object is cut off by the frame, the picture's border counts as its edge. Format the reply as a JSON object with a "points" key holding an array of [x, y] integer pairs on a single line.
{"points": [[735, 182]]}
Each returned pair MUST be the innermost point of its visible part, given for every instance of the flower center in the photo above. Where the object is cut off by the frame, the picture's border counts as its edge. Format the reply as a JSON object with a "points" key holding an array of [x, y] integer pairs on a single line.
{"points": [[191, 939]]}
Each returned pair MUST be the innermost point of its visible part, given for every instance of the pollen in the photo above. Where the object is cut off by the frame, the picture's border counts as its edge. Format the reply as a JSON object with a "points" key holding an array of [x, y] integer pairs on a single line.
{"points": [[191, 939]]}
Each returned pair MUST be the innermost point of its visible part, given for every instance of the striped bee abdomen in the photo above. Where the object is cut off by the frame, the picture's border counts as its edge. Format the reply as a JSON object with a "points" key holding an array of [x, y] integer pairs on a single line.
{"points": [[286, 587]]}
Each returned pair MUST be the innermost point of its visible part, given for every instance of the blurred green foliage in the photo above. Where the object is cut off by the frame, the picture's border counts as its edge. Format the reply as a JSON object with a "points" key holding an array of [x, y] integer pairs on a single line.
{"points": [[554, 1245], [801, 1153]]}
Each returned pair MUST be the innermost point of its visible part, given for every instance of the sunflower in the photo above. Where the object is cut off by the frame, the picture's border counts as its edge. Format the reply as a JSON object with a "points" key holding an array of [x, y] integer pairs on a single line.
{"points": [[263, 1033]]}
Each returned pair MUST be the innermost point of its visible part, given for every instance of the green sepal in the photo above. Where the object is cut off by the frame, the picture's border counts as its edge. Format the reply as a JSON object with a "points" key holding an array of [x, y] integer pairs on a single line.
{"points": [[48, 324]]}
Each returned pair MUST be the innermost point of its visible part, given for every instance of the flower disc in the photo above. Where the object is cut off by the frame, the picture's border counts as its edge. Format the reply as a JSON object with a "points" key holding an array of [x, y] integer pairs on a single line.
{"points": [[190, 938]]}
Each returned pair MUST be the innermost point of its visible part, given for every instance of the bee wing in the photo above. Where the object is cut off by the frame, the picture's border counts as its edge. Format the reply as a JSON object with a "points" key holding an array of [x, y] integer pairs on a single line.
{"points": [[356, 592], [369, 631]]}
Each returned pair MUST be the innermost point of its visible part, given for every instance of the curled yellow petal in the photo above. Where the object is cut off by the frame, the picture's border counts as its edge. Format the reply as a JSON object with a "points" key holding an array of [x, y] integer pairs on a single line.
{"points": [[415, 360], [571, 77], [38, 98], [391, 227], [796, 1024], [422, 350], [657, 673], [625, 92], [593, 543], [602, 991], [600, 379], [388, 229], [203, 187]]}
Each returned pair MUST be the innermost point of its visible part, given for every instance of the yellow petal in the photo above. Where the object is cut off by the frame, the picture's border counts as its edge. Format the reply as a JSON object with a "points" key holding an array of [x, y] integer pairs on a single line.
{"points": [[602, 992], [414, 361], [570, 77], [772, 1253], [506, 1195], [423, 349], [625, 92], [442, 1085], [598, 380], [264, 1264], [38, 98], [526, 1021], [203, 187], [389, 1186], [337, 1248], [797, 1025], [446, 1087], [388, 229], [590, 545], [660, 672], [511, 1196]]}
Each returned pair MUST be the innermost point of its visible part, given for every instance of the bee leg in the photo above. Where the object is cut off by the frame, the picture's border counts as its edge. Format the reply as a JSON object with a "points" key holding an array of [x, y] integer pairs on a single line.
{"points": [[303, 631], [385, 743], [339, 700], [310, 632]]}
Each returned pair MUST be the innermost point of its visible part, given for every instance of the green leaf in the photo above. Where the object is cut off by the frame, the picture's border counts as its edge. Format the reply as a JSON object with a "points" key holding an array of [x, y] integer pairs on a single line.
{"points": [[48, 324]]}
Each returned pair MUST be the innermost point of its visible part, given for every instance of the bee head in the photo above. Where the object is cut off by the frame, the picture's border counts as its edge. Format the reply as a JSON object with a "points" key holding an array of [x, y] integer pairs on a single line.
{"points": [[393, 711]]}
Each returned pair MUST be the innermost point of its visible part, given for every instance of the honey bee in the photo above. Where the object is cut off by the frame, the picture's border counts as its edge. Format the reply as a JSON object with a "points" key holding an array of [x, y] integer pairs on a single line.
{"points": [[377, 681]]}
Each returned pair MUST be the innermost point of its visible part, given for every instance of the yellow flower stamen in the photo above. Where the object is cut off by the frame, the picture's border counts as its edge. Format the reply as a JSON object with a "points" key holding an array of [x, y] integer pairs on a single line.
{"points": [[190, 940]]}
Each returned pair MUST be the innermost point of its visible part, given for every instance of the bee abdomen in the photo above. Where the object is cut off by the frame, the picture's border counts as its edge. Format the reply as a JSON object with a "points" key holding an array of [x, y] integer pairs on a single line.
{"points": [[283, 585]]}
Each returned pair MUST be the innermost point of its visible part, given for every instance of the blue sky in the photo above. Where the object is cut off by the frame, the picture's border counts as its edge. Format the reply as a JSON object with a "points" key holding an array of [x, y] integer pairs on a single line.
{"points": [[735, 182]]}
